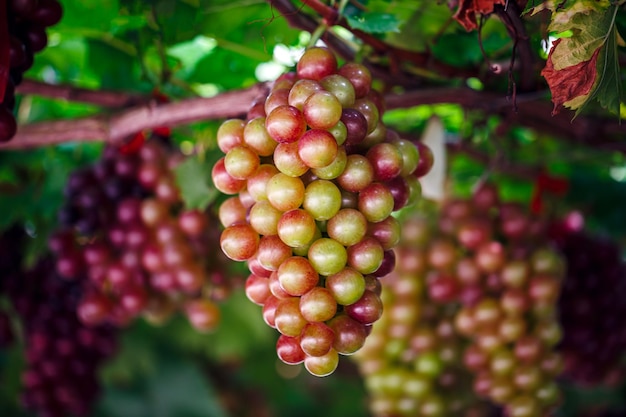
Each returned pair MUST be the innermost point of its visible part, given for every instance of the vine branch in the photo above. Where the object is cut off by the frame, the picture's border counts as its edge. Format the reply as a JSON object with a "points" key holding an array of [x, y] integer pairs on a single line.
{"points": [[116, 127], [510, 16], [533, 111], [101, 98]]}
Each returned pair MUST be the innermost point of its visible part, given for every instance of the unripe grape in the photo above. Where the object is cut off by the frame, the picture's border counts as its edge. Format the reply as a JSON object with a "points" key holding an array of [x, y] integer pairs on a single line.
{"points": [[301, 91], [223, 181], [359, 76], [297, 276], [322, 110], [288, 318], [317, 148], [241, 162], [257, 184], [296, 228], [323, 365], [257, 289], [256, 137], [239, 242], [230, 134], [272, 252], [322, 199], [327, 256], [347, 286], [318, 305], [316, 63], [289, 351], [285, 124], [316, 339]]}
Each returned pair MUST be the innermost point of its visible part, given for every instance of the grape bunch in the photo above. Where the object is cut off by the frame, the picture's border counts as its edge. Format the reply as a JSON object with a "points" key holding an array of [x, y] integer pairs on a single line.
{"points": [[62, 355], [412, 362], [476, 295], [142, 252], [315, 176], [27, 23], [593, 344]]}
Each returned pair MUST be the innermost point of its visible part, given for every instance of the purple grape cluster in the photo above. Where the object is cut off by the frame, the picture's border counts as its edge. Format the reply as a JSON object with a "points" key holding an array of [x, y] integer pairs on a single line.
{"points": [[143, 253], [473, 295], [63, 355], [592, 303], [27, 23]]}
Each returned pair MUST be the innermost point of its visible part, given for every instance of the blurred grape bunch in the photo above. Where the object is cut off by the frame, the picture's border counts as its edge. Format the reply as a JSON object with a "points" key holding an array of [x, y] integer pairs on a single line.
{"points": [[63, 356], [143, 253], [23, 26], [473, 296], [591, 306]]}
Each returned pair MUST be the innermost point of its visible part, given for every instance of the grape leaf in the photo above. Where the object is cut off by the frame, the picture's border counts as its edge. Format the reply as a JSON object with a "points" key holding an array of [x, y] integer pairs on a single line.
{"points": [[572, 84], [468, 9], [193, 178], [373, 22], [590, 28], [608, 88], [585, 66]]}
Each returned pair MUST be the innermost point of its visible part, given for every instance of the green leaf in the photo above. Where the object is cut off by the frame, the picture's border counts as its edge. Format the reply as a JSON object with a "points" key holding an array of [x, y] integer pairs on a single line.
{"points": [[193, 178], [176, 388], [590, 28], [607, 89], [88, 14], [372, 22]]}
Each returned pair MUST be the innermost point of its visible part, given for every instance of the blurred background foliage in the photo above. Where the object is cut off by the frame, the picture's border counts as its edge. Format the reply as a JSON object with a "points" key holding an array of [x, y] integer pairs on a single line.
{"points": [[186, 48]]}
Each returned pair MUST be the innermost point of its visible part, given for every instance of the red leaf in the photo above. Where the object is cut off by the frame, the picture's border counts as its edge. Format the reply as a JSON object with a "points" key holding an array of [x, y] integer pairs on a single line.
{"points": [[466, 14], [4, 48], [133, 146], [163, 131], [545, 183], [570, 82]]}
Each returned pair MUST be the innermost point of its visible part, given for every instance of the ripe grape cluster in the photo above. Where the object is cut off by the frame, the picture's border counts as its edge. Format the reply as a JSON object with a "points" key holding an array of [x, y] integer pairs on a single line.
{"points": [[142, 251], [592, 304], [62, 354], [27, 23], [316, 176], [474, 296]]}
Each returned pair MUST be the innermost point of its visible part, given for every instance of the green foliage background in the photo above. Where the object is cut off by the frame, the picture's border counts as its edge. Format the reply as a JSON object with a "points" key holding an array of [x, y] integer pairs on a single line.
{"points": [[203, 47]]}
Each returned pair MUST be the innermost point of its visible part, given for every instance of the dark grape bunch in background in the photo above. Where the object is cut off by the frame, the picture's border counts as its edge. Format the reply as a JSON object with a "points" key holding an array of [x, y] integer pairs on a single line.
{"points": [[482, 283], [62, 355], [315, 176], [142, 252], [592, 307], [27, 21]]}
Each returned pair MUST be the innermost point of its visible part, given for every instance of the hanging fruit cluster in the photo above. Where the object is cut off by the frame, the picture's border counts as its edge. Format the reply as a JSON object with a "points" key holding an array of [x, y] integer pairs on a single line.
{"points": [[472, 315], [317, 175], [23, 26], [593, 342], [143, 253], [63, 356]]}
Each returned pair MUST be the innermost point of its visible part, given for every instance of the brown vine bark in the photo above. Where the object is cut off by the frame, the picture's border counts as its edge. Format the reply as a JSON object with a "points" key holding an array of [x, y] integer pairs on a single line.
{"points": [[113, 99], [116, 127], [533, 111]]}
